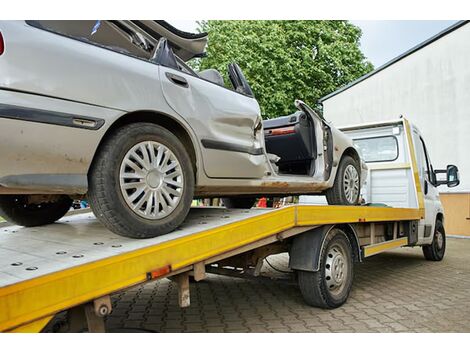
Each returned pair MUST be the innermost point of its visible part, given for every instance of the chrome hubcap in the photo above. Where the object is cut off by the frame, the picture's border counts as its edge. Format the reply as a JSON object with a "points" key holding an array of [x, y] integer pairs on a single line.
{"points": [[151, 180], [336, 269], [351, 184]]}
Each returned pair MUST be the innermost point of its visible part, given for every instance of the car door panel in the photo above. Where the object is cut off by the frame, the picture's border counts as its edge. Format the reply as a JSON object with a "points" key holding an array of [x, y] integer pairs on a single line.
{"points": [[222, 118]]}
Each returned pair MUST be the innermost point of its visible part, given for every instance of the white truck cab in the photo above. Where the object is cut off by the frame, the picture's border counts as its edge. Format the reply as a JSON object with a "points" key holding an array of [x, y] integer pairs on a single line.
{"points": [[401, 173]]}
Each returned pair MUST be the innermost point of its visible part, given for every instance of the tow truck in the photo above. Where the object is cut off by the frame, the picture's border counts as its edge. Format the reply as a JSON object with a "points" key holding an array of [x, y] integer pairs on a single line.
{"points": [[75, 264]]}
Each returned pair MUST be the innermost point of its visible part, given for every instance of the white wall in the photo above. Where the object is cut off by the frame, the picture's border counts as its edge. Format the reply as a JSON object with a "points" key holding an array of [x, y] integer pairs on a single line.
{"points": [[431, 88]]}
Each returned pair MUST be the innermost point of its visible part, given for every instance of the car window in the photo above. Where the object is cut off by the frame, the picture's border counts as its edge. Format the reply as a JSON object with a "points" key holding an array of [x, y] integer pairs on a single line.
{"points": [[102, 33], [378, 149]]}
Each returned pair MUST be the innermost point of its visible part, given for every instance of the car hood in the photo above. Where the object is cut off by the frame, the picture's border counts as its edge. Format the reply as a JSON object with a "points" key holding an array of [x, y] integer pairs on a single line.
{"points": [[185, 45]]}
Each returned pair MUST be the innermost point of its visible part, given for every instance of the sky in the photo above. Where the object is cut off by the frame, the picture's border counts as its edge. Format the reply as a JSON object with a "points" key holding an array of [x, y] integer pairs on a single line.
{"points": [[381, 41]]}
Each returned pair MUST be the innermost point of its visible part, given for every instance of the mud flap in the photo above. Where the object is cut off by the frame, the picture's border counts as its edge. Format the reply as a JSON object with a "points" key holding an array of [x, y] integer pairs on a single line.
{"points": [[305, 251]]}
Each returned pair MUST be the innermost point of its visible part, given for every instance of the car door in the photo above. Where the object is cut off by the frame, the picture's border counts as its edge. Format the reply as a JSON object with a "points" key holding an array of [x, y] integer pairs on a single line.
{"points": [[225, 122], [430, 193]]}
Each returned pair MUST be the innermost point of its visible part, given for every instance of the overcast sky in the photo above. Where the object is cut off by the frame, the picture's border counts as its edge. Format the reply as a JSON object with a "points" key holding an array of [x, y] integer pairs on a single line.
{"points": [[381, 40]]}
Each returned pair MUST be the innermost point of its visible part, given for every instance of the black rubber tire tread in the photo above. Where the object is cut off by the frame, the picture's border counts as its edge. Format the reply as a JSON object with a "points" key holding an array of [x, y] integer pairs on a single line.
{"points": [[335, 195], [313, 284], [13, 208], [432, 252], [104, 193], [239, 202]]}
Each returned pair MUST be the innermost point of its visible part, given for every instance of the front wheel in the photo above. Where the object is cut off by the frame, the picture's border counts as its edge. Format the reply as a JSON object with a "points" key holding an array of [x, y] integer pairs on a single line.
{"points": [[346, 188], [329, 287], [141, 183], [20, 210], [436, 250]]}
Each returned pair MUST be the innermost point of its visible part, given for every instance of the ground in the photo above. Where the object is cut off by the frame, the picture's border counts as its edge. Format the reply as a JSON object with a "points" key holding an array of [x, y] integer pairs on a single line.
{"points": [[397, 291]]}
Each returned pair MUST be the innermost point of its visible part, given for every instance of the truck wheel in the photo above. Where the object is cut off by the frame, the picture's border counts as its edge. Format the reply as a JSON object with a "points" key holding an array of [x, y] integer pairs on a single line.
{"points": [[436, 250], [346, 188], [329, 287], [239, 203], [141, 183], [18, 210]]}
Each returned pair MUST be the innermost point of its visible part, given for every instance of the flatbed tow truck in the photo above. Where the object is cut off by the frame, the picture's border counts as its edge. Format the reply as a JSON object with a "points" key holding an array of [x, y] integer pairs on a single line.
{"points": [[75, 264]]}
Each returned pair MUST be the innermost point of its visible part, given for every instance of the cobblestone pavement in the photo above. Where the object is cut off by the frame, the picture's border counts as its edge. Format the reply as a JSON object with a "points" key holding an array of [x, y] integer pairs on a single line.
{"points": [[397, 291]]}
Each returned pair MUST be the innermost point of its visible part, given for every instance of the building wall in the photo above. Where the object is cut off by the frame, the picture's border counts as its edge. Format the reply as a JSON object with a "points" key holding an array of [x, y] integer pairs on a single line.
{"points": [[430, 87]]}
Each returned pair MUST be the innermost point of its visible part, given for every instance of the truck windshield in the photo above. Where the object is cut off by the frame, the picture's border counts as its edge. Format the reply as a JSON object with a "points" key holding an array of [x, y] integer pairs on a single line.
{"points": [[378, 149]]}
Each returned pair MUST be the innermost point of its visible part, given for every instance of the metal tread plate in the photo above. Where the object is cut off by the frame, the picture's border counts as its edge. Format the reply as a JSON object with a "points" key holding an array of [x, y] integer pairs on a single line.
{"points": [[27, 253]]}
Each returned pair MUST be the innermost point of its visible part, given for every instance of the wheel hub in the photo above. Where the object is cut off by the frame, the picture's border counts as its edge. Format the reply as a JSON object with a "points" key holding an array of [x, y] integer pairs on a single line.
{"points": [[151, 180], [154, 179], [351, 183], [335, 268]]}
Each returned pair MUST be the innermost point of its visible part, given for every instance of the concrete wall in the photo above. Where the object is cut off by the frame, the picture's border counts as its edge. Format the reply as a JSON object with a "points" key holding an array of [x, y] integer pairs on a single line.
{"points": [[431, 87]]}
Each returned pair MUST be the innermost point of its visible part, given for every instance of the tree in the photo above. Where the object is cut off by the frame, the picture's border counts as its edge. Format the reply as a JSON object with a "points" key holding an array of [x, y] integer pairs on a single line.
{"points": [[286, 60]]}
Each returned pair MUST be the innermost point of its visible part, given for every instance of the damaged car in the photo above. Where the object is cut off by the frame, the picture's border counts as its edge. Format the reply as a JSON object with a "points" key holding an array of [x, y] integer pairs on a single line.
{"points": [[110, 111]]}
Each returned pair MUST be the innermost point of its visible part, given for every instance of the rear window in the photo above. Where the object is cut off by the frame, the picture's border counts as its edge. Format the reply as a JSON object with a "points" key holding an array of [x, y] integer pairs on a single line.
{"points": [[376, 149], [106, 34]]}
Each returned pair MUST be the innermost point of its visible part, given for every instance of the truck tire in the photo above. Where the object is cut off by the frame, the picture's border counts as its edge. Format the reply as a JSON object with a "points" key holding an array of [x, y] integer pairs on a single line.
{"points": [[239, 203], [141, 183], [436, 250], [346, 188], [17, 210], [329, 287]]}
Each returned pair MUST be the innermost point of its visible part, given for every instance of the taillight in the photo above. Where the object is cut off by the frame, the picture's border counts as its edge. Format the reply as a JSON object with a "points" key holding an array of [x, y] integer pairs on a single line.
{"points": [[2, 44]]}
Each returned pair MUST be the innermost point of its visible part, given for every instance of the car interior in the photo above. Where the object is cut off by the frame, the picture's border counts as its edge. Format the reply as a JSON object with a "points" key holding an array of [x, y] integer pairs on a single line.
{"points": [[292, 139]]}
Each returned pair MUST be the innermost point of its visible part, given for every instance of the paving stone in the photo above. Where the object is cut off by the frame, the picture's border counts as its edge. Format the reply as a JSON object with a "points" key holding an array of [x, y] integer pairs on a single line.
{"points": [[397, 291]]}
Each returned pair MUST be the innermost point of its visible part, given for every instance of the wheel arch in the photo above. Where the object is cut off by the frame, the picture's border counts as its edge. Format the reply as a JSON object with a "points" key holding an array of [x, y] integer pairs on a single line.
{"points": [[306, 248], [157, 118], [350, 151], [440, 216]]}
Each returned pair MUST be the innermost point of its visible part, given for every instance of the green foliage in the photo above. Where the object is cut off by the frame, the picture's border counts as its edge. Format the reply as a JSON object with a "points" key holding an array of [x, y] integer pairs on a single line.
{"points": [[286, 60]]}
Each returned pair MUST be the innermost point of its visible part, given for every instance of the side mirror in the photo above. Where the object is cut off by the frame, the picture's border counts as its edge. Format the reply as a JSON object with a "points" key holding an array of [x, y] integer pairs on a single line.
{"points": [[451, 176]]}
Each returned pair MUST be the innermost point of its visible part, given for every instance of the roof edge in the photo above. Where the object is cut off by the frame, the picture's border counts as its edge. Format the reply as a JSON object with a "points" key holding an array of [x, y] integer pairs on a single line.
{"points": [[417, 47]]}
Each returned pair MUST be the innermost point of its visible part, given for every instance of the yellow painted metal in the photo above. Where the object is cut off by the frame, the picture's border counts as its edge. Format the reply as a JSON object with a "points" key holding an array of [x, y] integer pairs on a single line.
{"points": [[337, 214], [414, 166], [29, 300], [384, 246], [35, 326]]}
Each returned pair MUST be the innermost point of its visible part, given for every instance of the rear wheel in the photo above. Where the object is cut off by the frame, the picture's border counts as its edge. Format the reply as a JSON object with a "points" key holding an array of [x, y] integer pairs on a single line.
{"points": [[329, 287], [436, 250], [346, 188], [239, 203], [24, 211], [141, 184]]}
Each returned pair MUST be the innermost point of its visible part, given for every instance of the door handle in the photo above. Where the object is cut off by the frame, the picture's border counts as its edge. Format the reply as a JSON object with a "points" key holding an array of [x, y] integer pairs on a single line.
{"points": [[178, 80]]}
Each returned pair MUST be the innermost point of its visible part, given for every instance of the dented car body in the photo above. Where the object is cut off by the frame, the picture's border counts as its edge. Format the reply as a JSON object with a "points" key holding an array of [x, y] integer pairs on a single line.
{"points": [[69, 88]]}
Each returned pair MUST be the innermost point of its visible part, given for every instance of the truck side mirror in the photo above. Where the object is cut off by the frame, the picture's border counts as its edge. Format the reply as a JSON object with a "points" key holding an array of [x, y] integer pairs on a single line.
{"points": [[451, 176]]}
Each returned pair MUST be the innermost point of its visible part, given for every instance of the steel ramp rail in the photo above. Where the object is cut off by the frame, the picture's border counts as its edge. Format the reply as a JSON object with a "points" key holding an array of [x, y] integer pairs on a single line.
{"points": [[45, 270]]}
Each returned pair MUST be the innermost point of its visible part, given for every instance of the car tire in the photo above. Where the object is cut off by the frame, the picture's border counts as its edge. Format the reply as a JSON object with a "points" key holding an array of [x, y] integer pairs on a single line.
{"points": [[329, 287], [239, 203], [17, 210], [141, 183], [346, 188], [436, 250]]}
